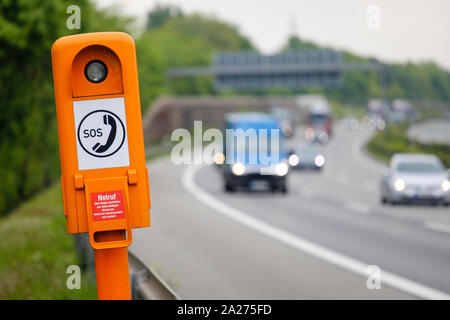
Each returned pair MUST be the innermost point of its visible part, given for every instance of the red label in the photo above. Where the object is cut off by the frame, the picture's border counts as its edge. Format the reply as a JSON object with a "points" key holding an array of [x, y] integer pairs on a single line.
{"points": [[107, 205]]}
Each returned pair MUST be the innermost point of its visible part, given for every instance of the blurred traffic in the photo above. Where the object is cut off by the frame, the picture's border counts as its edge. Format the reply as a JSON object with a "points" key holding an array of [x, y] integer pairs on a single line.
{"points": [[336, 192], [304, 133], [306, 157], [261, 160], [415, 177]]}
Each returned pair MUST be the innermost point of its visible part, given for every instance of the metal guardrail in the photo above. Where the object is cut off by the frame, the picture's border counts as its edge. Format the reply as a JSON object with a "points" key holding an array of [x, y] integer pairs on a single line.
{"points": [[145, 283], [85, 254]]}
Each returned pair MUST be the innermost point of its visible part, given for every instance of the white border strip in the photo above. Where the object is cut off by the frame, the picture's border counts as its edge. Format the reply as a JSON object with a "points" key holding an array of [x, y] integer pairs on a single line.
{"points": [[437, 226], [304, 245]]}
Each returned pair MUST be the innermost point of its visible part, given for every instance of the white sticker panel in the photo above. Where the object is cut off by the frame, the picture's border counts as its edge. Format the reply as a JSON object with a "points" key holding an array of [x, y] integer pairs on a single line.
{"points": [[101, 132]]}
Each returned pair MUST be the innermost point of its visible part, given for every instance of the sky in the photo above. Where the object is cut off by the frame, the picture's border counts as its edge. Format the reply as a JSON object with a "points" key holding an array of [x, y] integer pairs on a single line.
{"points": [[391, 30]]}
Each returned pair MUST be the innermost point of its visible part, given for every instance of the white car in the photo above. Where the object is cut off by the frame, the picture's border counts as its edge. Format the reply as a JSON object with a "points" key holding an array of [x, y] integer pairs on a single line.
{"points": [[414, 178]]}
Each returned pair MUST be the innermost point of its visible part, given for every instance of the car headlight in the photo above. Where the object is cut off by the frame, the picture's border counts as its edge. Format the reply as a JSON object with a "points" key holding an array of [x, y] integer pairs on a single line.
{"points": [[219, 158], [445, 185], [287, 130], [294, 160], [238, 169], [281, 169], [309, 133], [399, 184], [319, 160]]}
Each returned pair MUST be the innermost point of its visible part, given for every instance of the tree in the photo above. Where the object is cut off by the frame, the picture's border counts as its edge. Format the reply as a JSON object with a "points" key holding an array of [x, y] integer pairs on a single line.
{"points": [[161, 14], [183, 40], [151, 70], [295, 43], [413, 81], [28, 131]]}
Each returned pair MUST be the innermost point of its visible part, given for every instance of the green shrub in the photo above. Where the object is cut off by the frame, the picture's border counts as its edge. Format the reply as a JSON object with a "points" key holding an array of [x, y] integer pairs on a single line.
{"points": [[394, 139]]}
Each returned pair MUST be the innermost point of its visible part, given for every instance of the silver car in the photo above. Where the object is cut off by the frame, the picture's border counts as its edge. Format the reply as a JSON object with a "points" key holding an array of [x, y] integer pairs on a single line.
{"points": [[306, 157], [414, 178]]}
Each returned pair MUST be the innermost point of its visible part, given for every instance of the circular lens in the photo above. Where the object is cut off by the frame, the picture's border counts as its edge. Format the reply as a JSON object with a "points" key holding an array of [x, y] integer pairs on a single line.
{"points": [[399, 185], [294, 160], [445, 185], [238, 169], [281, 169], [219, 158], [95, 71], [319, 160]]}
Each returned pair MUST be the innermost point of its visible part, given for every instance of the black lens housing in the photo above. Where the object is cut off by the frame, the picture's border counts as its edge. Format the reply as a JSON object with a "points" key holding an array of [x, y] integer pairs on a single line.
{"points": [[104, 68]]}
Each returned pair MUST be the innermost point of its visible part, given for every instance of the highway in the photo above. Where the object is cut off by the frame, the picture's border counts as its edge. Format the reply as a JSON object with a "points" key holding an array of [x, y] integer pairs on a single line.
{"points": [[316, 242]]}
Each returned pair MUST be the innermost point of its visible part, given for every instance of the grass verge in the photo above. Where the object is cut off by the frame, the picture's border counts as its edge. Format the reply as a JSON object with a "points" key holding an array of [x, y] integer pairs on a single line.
{"points": [[35, 251], [395, 139]]}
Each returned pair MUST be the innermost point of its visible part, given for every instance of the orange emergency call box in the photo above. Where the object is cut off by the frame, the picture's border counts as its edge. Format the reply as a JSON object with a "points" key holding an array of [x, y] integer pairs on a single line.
{"points": [[104, 179]]}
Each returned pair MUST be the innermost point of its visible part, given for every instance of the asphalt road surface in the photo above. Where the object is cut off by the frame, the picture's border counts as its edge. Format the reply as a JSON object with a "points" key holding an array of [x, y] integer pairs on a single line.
{"points": [[316, 242]]}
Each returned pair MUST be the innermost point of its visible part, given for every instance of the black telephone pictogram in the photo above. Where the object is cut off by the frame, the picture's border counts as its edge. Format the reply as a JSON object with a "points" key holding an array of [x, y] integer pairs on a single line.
{"points": [[108, 120]]}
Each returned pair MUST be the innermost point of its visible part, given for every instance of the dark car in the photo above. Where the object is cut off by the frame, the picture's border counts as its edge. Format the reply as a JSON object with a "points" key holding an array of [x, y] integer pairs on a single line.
{"points": [[307, 157]]}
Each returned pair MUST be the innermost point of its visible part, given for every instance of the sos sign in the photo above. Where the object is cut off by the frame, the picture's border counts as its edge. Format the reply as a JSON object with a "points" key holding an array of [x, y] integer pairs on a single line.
{"points": [[104, 178], [115, 136], [101, 133]]}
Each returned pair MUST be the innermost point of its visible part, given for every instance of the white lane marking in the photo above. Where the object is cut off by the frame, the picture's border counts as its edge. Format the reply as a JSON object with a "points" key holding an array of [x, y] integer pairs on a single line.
{"points": [[437, 226], [363, 159], [303, 245], [357, 207]]}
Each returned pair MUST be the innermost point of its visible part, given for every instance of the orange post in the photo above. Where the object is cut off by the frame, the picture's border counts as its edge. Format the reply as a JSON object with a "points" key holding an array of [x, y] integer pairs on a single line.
{"points": [[104, 179], [111, 268]]}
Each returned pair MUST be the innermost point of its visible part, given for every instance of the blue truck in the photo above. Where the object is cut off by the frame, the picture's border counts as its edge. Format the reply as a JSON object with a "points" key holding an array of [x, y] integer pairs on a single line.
{"points": [[254, 152]]}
